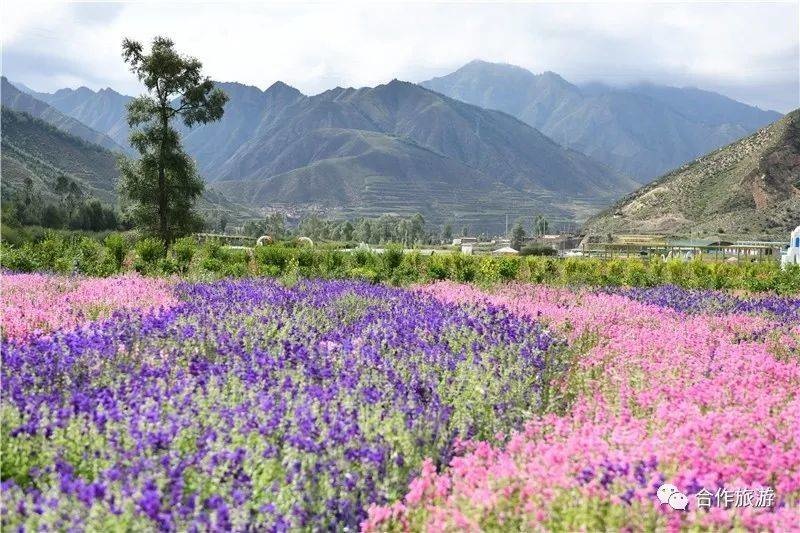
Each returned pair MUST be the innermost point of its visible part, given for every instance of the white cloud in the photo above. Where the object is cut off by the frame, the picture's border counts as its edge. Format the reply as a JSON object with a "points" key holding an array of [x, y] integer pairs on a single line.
{"points": [[746, 50]]}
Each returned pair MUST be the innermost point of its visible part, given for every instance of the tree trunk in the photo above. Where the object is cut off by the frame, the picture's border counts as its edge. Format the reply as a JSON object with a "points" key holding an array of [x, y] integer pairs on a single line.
{"points": [[163, 204]]}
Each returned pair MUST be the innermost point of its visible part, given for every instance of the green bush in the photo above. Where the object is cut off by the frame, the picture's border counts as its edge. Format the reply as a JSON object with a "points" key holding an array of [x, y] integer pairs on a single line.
{"points": [[184, 250], [438, 269], [88, 257], [365, 258], [488, 270], [612, 272], [212, 264], [464, 269], [18, 259], [364, 273], [538, 250], [543, 270], [580, 271], [273, 258], [307, 261], [391, 258], [507, 268], [636, 274], [332, 264], [70, 251], [235, 269], [149, 252], [117, 248]]}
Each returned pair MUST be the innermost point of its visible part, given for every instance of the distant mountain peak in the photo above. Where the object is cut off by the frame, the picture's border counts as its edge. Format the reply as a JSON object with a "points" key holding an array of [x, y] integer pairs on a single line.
{"points": [[397, 85], [281, 87], [481, 63], [82, 90]]}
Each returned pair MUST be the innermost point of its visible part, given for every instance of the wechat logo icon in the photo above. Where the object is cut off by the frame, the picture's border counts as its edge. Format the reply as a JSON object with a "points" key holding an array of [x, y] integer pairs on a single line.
{"points": [[669, 494]]}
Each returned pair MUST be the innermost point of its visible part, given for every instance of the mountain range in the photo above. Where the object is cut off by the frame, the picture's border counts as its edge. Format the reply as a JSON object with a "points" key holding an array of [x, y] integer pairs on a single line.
{"points": [[640, 131], [402, 148], [750, 187], [396, 148]]}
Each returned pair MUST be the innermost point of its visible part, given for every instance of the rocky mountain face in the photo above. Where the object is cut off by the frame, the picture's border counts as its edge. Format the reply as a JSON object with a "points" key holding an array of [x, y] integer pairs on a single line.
{"points": [[750, 187], [640, 131], [396, 148], [16, 100], [103, 110]]}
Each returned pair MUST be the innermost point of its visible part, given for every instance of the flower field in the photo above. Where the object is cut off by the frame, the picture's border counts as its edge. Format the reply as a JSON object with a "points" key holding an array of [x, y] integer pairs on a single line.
{"points": [[145, 404]]}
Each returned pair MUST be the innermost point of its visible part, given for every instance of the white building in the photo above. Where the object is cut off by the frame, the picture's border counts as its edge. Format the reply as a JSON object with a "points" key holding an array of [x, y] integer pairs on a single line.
{"points": [[792, 255]]}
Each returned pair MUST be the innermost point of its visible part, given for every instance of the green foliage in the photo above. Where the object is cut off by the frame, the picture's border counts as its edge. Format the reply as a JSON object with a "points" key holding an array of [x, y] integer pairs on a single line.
{"points": [[365, 258], [66, 252], [507, 268], [364, 273], [517, 236], [149, 253], [391, 258], [332, 264], [438, 267], [184, 250], [464, 268], [538, 250], [273, 258], [117, 248], [18, 259]]}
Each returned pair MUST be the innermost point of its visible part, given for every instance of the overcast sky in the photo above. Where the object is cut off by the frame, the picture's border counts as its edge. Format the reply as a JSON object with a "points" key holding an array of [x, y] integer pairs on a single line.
{"points": [[748, 51]]}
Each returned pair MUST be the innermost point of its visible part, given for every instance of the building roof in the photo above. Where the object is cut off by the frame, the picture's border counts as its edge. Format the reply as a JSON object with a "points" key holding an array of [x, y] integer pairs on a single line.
{"points": [[505, 250]]}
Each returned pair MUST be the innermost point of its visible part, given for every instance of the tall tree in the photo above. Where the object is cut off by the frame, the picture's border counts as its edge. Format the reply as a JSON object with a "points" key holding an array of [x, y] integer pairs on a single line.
{"points": [[163, 185], [275, 226], [517, 236], [540, 226], [417, 228], [447, 233], [363, 231]]}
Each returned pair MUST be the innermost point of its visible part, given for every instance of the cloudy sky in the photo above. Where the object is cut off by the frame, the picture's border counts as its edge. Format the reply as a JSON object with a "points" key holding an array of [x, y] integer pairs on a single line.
{"points": [[749, 51]]}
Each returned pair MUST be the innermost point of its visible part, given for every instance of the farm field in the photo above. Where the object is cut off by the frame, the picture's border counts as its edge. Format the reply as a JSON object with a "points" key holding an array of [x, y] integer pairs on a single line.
{"points": [[134, 403]]}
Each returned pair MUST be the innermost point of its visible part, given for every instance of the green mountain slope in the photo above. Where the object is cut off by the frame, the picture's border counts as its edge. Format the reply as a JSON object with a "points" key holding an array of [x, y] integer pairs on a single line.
{"points": [[104, 110], [749, 187], [35, 149], [363, 173]]}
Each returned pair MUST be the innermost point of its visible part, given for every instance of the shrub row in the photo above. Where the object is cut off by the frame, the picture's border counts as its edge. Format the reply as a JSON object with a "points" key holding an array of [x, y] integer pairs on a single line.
{"points": [[210, 261]]}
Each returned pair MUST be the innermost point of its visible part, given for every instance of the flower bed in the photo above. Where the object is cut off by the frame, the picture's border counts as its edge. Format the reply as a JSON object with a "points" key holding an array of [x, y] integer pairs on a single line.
{"points": [[703, 401], [253, 405], [40, 303]]}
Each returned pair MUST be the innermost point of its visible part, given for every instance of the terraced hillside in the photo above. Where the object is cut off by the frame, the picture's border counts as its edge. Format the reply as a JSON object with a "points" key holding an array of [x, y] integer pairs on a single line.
{"points": [[400, 148], [749, 187]]}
